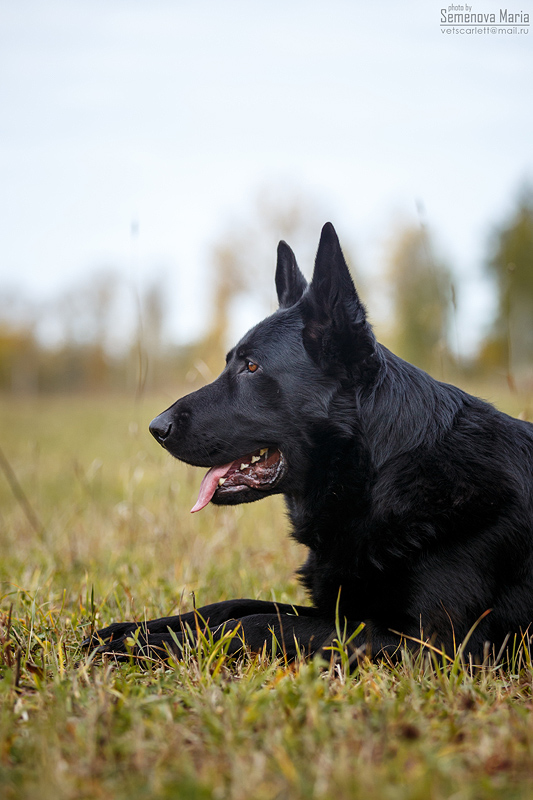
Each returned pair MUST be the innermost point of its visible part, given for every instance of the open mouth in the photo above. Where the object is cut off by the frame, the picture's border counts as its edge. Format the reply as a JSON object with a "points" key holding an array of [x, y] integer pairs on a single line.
{"points": [[259, 470]]}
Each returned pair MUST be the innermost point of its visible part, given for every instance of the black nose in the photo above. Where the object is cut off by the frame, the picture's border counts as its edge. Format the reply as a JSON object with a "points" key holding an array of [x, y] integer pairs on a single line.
{"points": [[160, 428]]}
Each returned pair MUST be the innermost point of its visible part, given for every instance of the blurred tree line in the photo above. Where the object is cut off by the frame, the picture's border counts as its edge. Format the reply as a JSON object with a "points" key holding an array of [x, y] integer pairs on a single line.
{"points": [[88, 348], [98, 335]]}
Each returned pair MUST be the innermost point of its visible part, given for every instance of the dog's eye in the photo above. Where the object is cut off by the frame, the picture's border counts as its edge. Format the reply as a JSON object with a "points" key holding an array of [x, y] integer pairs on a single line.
{"points": [[251, 366]]}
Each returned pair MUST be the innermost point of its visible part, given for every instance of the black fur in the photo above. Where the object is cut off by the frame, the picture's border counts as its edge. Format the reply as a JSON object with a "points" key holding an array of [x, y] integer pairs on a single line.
{"points": [[414, 499]]}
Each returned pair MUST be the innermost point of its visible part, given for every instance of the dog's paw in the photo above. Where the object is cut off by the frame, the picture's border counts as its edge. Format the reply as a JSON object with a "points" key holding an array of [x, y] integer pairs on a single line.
{"points": [[113, 632], [126, 640]]}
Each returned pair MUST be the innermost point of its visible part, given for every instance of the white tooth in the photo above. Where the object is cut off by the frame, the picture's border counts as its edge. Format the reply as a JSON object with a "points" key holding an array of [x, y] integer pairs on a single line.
{"points": [[263, 451], [254, 459], [221, 481], [243, 466]]}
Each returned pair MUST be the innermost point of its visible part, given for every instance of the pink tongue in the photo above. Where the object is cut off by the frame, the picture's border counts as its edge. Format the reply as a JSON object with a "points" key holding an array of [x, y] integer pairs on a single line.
{"points": [[208, 486]]}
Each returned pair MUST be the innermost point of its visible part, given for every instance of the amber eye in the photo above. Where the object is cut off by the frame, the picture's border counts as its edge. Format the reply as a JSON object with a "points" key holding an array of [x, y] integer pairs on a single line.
{"points": [[251, 367]]}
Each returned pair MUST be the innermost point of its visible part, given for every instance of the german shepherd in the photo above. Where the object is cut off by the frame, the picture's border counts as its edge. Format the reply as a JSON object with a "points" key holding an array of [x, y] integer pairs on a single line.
{"points": [[414, 499]]}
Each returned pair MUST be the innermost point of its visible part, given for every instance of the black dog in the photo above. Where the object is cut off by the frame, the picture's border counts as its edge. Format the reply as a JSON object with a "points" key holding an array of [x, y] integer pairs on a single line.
{"points": [[414, 499]]}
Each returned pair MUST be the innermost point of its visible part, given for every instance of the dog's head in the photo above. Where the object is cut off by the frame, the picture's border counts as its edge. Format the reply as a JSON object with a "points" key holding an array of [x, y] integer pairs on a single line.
{"points": [[284, 389]]}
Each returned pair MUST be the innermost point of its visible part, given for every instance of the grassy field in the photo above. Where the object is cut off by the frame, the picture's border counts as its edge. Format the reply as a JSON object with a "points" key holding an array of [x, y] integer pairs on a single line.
{"points": [[94, 526]]}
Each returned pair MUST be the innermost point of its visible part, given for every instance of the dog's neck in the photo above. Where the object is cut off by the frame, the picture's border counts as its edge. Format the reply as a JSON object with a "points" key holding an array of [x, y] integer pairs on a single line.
{"points": [[362, 435], [340, 489]]}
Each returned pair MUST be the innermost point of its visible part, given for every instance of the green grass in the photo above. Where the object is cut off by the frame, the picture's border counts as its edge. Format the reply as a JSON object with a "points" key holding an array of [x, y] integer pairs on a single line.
{"points": [[113, 539]]}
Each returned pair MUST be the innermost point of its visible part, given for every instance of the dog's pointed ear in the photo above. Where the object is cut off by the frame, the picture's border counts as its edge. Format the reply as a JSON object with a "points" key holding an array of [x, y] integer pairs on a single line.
{"points": [[332, 284], [336, 331], [290, 283]]}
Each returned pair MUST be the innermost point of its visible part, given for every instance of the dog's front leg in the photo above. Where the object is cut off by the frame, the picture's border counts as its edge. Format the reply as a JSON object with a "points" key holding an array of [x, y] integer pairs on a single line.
{"points": [[278, 633], [114, 637], [275, 633]]}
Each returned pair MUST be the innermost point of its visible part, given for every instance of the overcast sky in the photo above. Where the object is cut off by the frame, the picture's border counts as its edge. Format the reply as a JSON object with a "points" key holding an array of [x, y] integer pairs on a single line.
{"points": [[172, 114]]}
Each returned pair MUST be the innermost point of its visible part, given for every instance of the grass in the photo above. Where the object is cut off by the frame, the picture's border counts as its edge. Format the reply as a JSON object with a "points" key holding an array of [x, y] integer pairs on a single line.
{"points": [[111, 538]]}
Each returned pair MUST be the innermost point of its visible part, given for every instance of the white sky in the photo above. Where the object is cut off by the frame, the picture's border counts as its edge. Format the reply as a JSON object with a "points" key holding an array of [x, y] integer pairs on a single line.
{"points": [[174, 113]]}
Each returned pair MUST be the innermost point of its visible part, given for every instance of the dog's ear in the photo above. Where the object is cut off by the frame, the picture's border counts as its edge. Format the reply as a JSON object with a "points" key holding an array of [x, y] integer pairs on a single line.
{"points": [[332, 286], [336, 331], [290, 283]]}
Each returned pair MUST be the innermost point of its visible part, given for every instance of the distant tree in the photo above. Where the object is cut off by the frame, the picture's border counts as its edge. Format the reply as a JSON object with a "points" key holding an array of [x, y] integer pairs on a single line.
{"points": [[510, 264], [19, 346], [19, 354], [86, 311], [422, 300]]}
